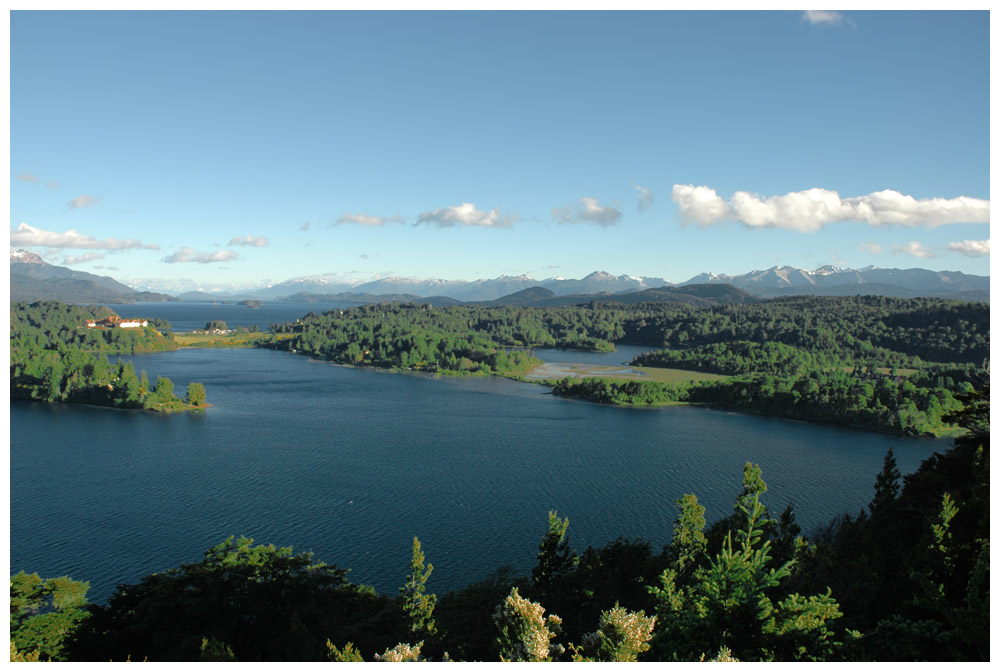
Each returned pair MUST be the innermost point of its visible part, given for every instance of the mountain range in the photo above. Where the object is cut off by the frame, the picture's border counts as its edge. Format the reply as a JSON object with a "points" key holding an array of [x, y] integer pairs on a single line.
{"points": [[32, 279]]}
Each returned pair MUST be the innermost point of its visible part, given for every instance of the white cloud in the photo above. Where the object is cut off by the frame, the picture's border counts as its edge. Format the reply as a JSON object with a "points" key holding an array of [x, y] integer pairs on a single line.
{"points": [[29, 236], [466, 215], [871, 248], [699, 204], [52, 184], [83, 201], [589, 211], [186, 254], [27, 177], [914, 249], [971, 248], [819, 16], [891, 207], [645, 197], [250, 241], [367, 220], [801, 211], [89, 256], [812, 209], [360, 218]]}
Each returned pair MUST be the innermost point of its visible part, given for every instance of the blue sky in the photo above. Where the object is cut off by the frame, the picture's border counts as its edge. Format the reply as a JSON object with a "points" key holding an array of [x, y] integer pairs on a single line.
{"points": [[178, 150]]}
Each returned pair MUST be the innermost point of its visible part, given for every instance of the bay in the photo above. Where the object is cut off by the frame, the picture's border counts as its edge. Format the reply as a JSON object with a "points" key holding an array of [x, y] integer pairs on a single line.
{"points": [[352, 464], [191, 315]]}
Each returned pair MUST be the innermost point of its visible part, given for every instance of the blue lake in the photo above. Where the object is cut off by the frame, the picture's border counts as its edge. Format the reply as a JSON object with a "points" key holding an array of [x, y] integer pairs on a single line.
{"points": [[190, 315], [352, 464]]}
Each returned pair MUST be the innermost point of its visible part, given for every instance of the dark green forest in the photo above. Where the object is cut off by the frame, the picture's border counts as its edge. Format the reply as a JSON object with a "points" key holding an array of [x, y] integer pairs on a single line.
{"points": [[884, 364], [905, 579], [878, 363], [54, 357]]}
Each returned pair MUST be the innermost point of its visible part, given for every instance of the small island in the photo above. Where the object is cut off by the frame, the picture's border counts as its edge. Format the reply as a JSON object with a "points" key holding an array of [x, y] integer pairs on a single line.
{"points": [[252, 304]]}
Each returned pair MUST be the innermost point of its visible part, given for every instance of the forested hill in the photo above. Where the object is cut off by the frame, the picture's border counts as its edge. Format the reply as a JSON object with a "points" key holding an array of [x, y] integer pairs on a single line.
{"points": [[55, 357], [892, 365], [897, 332]]}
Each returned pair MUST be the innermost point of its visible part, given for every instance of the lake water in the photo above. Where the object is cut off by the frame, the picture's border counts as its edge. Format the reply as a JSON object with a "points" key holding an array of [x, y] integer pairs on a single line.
{"points": [[352, 464], [190, 315]]}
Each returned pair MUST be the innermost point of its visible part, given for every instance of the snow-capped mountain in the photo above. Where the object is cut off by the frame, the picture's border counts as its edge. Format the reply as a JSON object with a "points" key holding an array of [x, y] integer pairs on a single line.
{"points": [[32, 279], [775, 281], [475, 290], [781, 280], [25, 257], [599, 281]]}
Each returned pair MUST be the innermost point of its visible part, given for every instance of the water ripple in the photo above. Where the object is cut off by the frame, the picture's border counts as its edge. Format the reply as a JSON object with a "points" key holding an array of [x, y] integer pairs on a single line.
{"points": [[352, 464]]}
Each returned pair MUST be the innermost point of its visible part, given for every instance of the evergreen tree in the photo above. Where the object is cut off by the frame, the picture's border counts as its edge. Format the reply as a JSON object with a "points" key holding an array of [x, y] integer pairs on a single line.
{"points": [[164, 390], [688, 544], [729, 602], [886, 485], [555, 559], [418, 607], [788, 542]]}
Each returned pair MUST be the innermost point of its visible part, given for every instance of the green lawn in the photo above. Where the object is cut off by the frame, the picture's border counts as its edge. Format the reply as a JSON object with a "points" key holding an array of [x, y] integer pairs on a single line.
{"points": [[674, 375], [196, 339], [559, 370]]}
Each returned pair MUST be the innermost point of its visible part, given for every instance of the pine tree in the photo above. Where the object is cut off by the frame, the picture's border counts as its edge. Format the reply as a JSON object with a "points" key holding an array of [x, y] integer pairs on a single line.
{"points": [[418, 607], [729, 601], [688, 544], [555, 558], [886, 485]]}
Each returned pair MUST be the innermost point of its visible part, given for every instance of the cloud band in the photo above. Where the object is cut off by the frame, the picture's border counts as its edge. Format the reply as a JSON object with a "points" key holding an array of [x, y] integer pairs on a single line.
{"points": [[813, 209], [29, 236]]}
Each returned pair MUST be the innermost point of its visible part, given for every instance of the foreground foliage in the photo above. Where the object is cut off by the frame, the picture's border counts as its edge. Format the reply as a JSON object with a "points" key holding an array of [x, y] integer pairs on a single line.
{"points": [[43, 613], [251, 602]]}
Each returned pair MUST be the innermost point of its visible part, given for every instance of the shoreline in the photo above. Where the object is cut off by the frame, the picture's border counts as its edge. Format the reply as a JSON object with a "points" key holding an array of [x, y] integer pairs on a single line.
{"points": [[636, 375]]}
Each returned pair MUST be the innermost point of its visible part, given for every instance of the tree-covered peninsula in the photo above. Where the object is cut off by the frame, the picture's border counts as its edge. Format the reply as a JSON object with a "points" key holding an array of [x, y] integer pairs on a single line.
{"points": [[56, 357], [884, 364]]}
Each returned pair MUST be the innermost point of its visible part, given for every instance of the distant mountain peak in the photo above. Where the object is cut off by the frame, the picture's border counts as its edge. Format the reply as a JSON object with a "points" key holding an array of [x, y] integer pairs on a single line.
{"points": [[26, 257], [832, 280]]}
